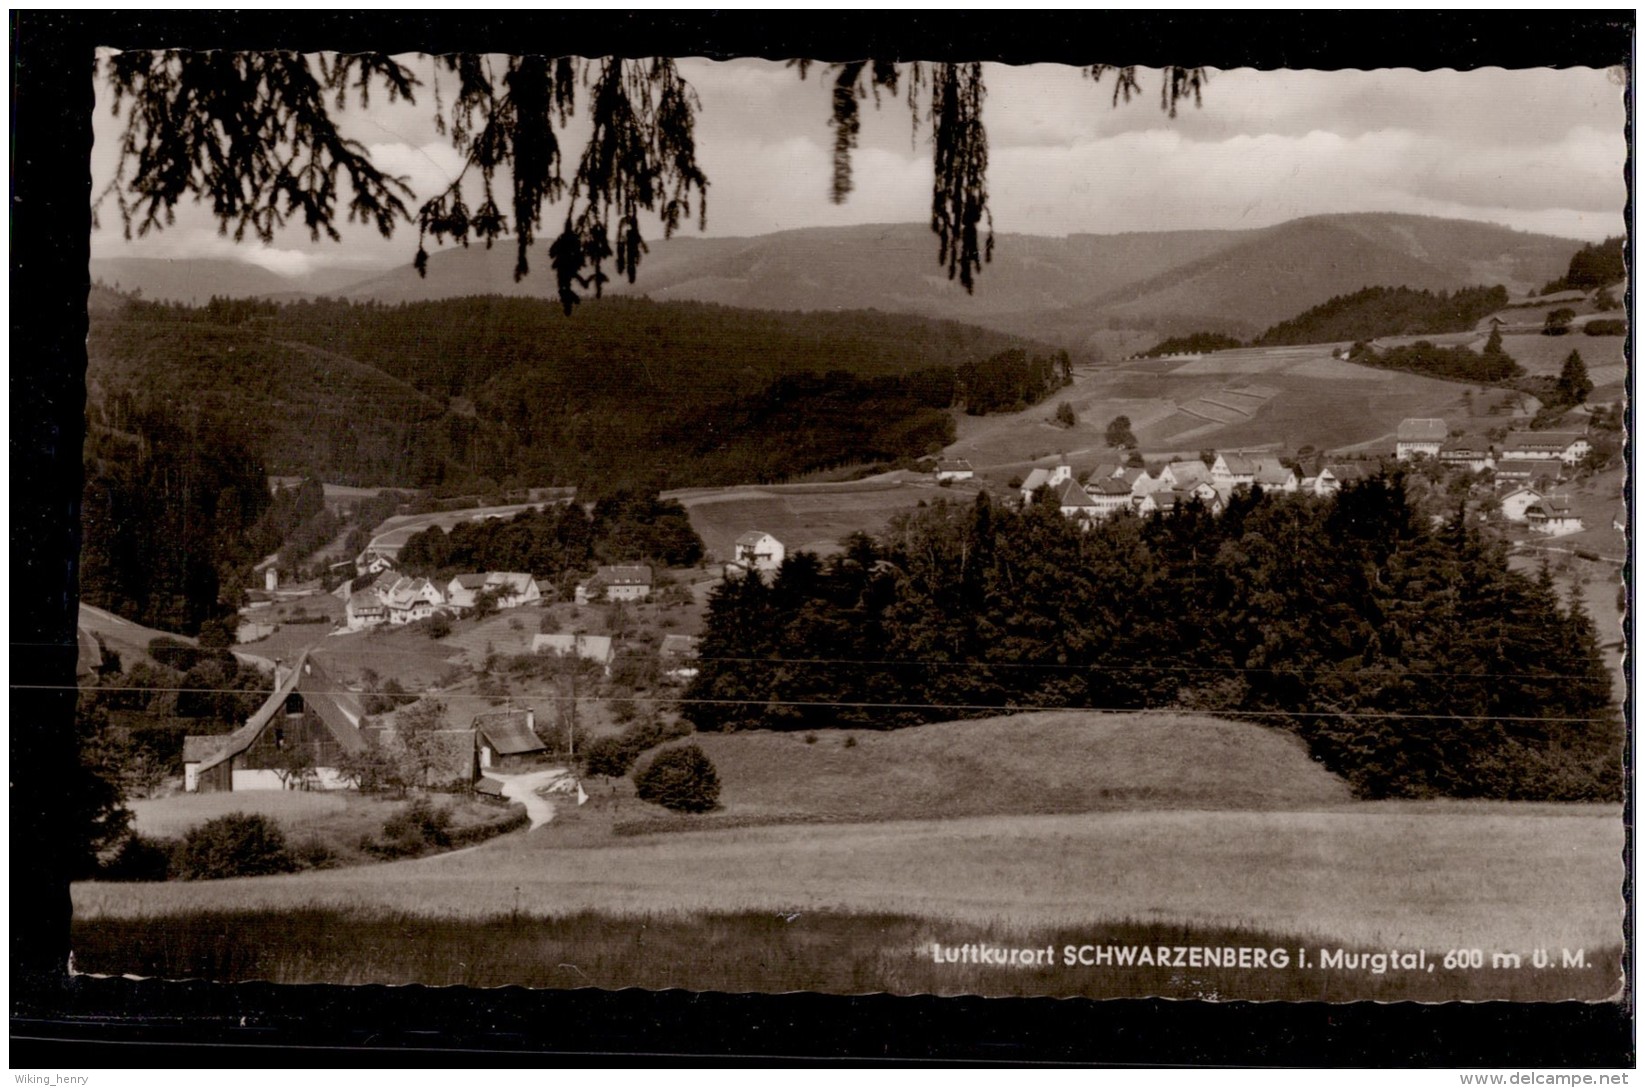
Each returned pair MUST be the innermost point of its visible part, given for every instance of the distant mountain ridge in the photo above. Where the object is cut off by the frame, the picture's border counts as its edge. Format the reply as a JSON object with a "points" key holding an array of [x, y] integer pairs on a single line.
{"points": [[1087, 291]]}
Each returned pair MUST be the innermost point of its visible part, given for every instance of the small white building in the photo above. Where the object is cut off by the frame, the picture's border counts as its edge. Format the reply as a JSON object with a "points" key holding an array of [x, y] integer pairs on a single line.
{"points": [[1420, 438], [756, 551], [959, 469], [1516, 502], [1553, 516]]}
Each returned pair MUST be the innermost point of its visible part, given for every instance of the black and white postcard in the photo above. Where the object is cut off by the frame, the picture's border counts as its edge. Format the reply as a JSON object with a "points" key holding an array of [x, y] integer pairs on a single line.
{"points": [[906, 526]]}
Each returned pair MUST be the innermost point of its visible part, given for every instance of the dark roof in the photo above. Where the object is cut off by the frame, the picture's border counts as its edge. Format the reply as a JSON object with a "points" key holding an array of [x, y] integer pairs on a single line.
{"points": [[336, 707], [960, 465], [508, 733], [753, 536], [471, 581], [1070, 493], [679, 646], [197, 748], [1239, 465], [1108, 485], [1540, 440], [1423, 430], [488, 786], [634, 575]]}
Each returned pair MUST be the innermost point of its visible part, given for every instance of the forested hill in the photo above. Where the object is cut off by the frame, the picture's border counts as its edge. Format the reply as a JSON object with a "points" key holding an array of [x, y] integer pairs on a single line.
{"points": [[1388, 311], [624, 393]]}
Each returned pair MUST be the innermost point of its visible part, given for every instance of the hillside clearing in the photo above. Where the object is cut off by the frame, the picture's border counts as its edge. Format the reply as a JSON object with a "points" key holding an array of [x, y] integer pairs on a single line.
{"points": [[1013, 765]]}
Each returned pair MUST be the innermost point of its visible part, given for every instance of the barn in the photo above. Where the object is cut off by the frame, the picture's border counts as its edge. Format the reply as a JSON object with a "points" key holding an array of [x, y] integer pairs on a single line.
{"points": [[293, 741]]}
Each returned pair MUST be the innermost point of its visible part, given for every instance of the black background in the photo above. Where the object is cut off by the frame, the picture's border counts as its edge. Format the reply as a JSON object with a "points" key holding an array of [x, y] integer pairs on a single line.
{"points": [[111, 1023]]}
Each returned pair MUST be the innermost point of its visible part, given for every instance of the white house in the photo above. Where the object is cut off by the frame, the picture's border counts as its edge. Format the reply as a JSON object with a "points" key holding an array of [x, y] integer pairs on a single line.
{"points": [[1554, 516], [372, 561], [1420, 438], [1467, 452], [1044, 477], [513, 588], [1074, 502], [1142, 484], [959, 469], [1331, 478], [1516, 502], [758, 551], [630, 582], [1567, 446], [364, 609], [1109, 495], [411, 599], [1231, 470]]}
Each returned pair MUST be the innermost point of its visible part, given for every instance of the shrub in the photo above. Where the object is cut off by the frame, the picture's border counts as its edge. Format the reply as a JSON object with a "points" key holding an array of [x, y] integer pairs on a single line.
{"points": [[850, 742], [313, 853], [1606, 327], [415, 829], [239, 844], [811, 738], [174, 653], [610, 757], [140, 858], [682, 779], [437, 626]]}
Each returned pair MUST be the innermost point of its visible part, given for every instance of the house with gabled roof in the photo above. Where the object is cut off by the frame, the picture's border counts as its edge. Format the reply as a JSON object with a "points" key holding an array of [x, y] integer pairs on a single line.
{"points": [[957, 469], [1554, 516], [411, 599], [1185, 474], [1333, 477], [1569, 447], [294, 740], [1231, 470], [755, 551], [1420, 438], [595, 648], [630, 582], [1468, 451], [507, 738], [1271, 474], [1072, 500], [1516, 502], [1525, 470], [364, 609], [1110, 495], [1045, 477]]}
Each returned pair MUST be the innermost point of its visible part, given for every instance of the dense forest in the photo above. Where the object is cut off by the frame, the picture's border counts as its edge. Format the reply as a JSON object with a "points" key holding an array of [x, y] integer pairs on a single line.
{"points": [[1388, 311], [173, 516], [553, 541], [481, 393], [1361, 315], [1197, 342], [1411, 659], [1594, 265], [1458, 363]]}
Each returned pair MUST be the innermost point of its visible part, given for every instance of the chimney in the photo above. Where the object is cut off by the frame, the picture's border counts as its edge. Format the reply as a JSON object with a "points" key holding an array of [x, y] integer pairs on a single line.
{"points": [[280, 672]]}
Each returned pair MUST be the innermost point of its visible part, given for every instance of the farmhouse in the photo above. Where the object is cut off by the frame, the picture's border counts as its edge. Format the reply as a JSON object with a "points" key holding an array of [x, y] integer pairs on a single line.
{"points": [[1420, 438], [1231, 470], [508, 738], [1109, 496], [678, 656], [364, 609], [1185, 474], [595, 648], [1331, 478], [619, 583], [1523, 470], [1554, 516], [510, 589], [1142, 484], [954, 470], [1567, 446], [293, 741], [1044, 477], [1517, 501], [372, 561], [1469, 452], [1271, 474], [410, 599], [1107, 470], [755, 551], [1074, 502]]}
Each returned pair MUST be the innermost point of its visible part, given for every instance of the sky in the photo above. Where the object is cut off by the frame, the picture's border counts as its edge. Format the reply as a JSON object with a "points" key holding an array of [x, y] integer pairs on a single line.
{"points": [[1538, 150]]}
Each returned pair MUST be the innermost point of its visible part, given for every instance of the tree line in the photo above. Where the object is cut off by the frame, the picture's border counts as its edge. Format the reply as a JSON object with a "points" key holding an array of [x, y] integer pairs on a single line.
{"points": [[1411, 659], [554, 541]]}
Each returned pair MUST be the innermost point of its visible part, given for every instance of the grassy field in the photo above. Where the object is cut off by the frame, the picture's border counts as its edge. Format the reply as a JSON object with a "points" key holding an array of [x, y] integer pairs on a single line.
{"points": [[129, 640], [805, 517], [827, 951], [1496, 876], [1250, 398], [1028, 763]]}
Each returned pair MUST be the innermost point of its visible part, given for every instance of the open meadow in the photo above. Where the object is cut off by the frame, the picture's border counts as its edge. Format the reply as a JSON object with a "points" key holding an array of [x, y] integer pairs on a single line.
{"points": [[1249, 398], [805, 517], [1180, 825]]}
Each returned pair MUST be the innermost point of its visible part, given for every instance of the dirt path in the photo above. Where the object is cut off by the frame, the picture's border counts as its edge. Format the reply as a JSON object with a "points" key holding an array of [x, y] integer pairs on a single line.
{"points": [[531, 790]]}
